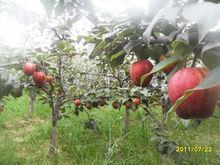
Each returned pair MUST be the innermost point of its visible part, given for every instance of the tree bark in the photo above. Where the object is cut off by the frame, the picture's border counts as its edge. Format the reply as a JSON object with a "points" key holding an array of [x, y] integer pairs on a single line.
{"points": [[32, 98], [127, 120], [165, 106], [53, 136]]}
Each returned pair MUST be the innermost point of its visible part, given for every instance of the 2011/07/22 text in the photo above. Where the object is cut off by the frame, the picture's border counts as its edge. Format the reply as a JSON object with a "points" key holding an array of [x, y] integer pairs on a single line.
{"points": [[206, 149]]}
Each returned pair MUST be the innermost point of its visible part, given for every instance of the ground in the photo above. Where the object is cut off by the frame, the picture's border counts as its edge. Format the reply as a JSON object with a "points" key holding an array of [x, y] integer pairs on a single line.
{"points": [[25, 141]]}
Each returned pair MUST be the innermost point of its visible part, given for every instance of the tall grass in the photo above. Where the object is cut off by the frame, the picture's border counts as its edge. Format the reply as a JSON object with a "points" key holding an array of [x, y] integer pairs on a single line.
{"points": [[26, 141]]}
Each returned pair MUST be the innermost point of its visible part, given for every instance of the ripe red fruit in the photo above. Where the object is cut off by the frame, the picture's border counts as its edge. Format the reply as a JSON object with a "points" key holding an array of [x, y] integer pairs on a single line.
{"points": [[201, 103], [77, 102], [48, 78], [39, 78], [29, 68], [139, 69], [136, 101], [101, 102], [115, 104], [128, 105], [89, 105]]}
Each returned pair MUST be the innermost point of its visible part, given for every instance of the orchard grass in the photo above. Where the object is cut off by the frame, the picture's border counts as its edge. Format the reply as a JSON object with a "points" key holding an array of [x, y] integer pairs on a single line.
{"points": [[26, 141]]}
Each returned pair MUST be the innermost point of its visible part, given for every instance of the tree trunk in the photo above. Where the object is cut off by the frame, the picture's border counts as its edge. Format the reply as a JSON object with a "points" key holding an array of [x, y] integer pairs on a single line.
{"points": [[32, 98], [166, 105], [53, 135], [127, 120], [53, 139]]}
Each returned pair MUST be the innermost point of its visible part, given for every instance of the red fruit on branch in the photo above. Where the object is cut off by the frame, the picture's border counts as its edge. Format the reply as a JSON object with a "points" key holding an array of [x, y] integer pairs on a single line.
{"points": [[77, 102], [136, 101], [48, 78], [29, 68], [115, 104], [169, 68], [201, 103], [139, 69], [128, 105], [89, 105], [39, 78], [101, 102]]}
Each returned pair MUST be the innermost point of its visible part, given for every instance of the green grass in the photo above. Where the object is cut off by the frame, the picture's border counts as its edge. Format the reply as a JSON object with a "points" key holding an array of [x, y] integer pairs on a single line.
{"points": [[26, 141]]}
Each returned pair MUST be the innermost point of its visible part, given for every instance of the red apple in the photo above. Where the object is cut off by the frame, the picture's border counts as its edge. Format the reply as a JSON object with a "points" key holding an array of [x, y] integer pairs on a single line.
{"points": [[136, 101], [77, 102], [115, 104], [201, 103], [89, 105], [169, 68], [101, 102], [139, 69], [128, 105], [48, 78], [39, 78], [29, 68]]}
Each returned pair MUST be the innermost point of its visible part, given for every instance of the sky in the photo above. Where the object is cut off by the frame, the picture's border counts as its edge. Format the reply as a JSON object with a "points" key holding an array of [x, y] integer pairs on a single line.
{"points": [[13, 29]]}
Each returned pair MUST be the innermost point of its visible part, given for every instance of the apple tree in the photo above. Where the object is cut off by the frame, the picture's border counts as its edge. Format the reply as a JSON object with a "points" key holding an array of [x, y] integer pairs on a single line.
{"points": [[135, 61], [182, 45]]}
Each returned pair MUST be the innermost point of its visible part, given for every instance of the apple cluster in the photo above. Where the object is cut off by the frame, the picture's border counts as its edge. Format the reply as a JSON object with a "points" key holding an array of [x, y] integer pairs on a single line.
{"points": [[39, 77], [200, 104]]}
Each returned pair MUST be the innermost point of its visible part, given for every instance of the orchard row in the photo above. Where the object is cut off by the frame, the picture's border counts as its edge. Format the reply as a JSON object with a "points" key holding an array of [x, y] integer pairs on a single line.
{"points": [[200, 104]]}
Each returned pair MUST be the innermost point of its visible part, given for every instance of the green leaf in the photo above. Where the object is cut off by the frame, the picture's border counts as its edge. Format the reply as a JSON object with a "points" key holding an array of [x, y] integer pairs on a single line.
{"points": [[155, 51], [211, 55], [129, 46], [206, 19], [98, 48], [114, 56], [211, 80], [163, 26], [76, 111], [167, 62], [169, 12], [180, 51], [62, 44], [128, 32]]}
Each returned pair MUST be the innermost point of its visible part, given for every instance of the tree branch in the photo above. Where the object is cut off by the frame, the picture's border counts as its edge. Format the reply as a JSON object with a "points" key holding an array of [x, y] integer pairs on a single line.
{"points": [[61, 80], [45, 91], [65, 101], [197, 51]]}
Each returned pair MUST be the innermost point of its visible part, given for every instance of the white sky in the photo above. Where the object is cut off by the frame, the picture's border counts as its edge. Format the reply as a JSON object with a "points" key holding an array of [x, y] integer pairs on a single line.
{"points": [[117, 6], [32, 5], [12, 29]]}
